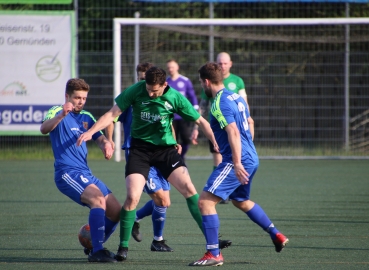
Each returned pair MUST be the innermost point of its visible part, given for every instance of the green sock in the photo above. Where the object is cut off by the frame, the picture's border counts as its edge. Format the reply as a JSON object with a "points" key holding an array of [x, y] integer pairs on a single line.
{"points": [[127, 219], [194, 210]]}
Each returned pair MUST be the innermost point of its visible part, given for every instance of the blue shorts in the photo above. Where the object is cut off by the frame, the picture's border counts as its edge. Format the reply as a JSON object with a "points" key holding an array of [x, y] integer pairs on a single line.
{"points": [[72, 184], [224, 183], [155, 182]]}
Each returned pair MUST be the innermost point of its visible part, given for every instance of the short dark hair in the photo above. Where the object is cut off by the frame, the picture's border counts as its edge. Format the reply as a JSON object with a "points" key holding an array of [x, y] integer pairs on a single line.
{"points": [[155, 75], [211, 71], [76, 84], [143, 67]]}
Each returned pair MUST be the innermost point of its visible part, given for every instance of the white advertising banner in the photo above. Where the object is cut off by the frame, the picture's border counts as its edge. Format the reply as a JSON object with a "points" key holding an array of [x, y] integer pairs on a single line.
{"points": [[37, 56]]}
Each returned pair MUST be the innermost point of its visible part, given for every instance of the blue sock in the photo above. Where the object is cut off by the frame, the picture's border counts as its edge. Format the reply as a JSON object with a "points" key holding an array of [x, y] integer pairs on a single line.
{"points": [[210, 223], [145, 210], [158, 221], [97, 228], [257, 215], [110, 227]]}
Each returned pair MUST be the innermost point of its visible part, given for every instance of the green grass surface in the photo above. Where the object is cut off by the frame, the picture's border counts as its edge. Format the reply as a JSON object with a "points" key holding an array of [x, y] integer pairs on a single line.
{"points": [[321, 205]]}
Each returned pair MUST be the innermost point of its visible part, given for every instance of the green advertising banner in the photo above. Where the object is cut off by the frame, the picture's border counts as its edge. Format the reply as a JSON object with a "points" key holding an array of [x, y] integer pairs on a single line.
{"points": [[36, 2]]}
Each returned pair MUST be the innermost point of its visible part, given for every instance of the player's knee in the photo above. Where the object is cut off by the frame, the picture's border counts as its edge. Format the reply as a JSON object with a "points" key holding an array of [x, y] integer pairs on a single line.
{"points": [[130, 203], [94, 201], [162, 201]]}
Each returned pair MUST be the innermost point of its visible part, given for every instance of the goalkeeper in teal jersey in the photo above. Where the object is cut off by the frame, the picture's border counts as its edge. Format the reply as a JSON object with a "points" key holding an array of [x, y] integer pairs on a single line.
{"points": [[153, 106]]}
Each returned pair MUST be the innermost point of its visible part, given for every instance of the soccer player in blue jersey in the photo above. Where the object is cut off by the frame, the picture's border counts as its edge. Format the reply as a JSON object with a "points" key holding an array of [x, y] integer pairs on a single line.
{"points": [[183, 85], [72, 176], [231, 124], [156, 186]]}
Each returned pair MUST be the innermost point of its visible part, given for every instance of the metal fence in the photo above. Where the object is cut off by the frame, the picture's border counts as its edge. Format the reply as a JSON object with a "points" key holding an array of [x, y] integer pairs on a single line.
{"points": [[293, 75]]}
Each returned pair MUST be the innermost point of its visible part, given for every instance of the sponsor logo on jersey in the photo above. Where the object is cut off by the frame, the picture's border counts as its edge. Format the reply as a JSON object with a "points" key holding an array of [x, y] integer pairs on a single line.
{"points": [[168, 106], [232, 86], [233, 96]]}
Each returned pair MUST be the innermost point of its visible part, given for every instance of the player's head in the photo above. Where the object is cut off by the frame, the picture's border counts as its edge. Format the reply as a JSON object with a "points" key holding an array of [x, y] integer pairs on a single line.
{"points": [[155, 81], [76, 92], [141, 70], [224, 60], [172, 67], [210, 75]]}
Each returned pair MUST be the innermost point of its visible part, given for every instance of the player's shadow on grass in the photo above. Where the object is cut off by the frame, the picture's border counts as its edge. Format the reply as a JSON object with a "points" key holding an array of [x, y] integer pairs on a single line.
{"points": [[42, 260]]}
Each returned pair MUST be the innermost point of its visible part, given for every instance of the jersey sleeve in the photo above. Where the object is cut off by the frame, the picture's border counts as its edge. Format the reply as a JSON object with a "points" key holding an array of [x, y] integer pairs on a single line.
{"points": [[191, 95], [222, 112], [185, 109], [241, 84], [52, 112], [127, 97]]}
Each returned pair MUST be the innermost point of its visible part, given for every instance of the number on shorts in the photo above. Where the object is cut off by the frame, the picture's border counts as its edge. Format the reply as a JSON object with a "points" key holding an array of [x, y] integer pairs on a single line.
{"points": [[242, 109], [84, 179], [150, 184]]}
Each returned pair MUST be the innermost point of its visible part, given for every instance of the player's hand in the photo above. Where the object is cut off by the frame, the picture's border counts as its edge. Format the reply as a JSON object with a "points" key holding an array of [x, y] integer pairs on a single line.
{"points": [[108, 150], [112, 144], [67, 108], [194, 135], [179, 148], [84, 138], [241, 174]]}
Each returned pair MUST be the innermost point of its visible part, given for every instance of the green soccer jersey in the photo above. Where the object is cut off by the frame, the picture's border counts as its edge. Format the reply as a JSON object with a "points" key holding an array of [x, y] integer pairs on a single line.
{"points": [[152, 117], [232, 83]]}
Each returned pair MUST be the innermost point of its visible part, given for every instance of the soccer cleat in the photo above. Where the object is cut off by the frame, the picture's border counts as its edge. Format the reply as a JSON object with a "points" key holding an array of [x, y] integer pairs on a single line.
{"points": [[103, 255], [209, 260], [280, 242], [135, 232], [160, 246], [87, 251], [224, 243], [122, 253]]}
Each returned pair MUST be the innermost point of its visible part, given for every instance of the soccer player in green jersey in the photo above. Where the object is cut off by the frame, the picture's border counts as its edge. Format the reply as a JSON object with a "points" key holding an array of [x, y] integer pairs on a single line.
{"points": [[231, 82], [154, 104]]}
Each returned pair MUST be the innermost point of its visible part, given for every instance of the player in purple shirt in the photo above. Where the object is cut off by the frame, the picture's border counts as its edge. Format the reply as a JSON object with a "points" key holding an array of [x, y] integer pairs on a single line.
{"points": [[183, 85]]}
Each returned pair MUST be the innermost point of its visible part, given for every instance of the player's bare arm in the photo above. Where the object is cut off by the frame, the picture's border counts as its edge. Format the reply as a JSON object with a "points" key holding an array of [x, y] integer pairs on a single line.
{"points": [[50, 124], [178, 146], [102, 123], [251, 126], [234, 140], [109, 130], [105, 147], [205, 127]]}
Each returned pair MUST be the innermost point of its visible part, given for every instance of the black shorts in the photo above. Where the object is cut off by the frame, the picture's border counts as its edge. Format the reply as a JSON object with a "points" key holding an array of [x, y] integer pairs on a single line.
{"points": [[211, 147], [143, 155], [183, 130]]}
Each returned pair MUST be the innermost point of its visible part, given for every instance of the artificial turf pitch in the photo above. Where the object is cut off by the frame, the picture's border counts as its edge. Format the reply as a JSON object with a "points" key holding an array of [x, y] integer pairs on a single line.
{"points": [[321, 205]]}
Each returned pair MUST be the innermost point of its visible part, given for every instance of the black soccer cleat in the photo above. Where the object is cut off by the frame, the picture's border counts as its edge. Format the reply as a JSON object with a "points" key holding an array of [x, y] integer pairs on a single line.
{"points": [[87, 251], [160, 246], [122, 253], [224, 243], [103, 255], [136, 232]]}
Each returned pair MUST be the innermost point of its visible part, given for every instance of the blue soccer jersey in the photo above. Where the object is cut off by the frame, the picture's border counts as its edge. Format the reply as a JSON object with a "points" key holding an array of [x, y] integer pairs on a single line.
{"points": [[68, 155], [126, 119], [229, 107]]}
